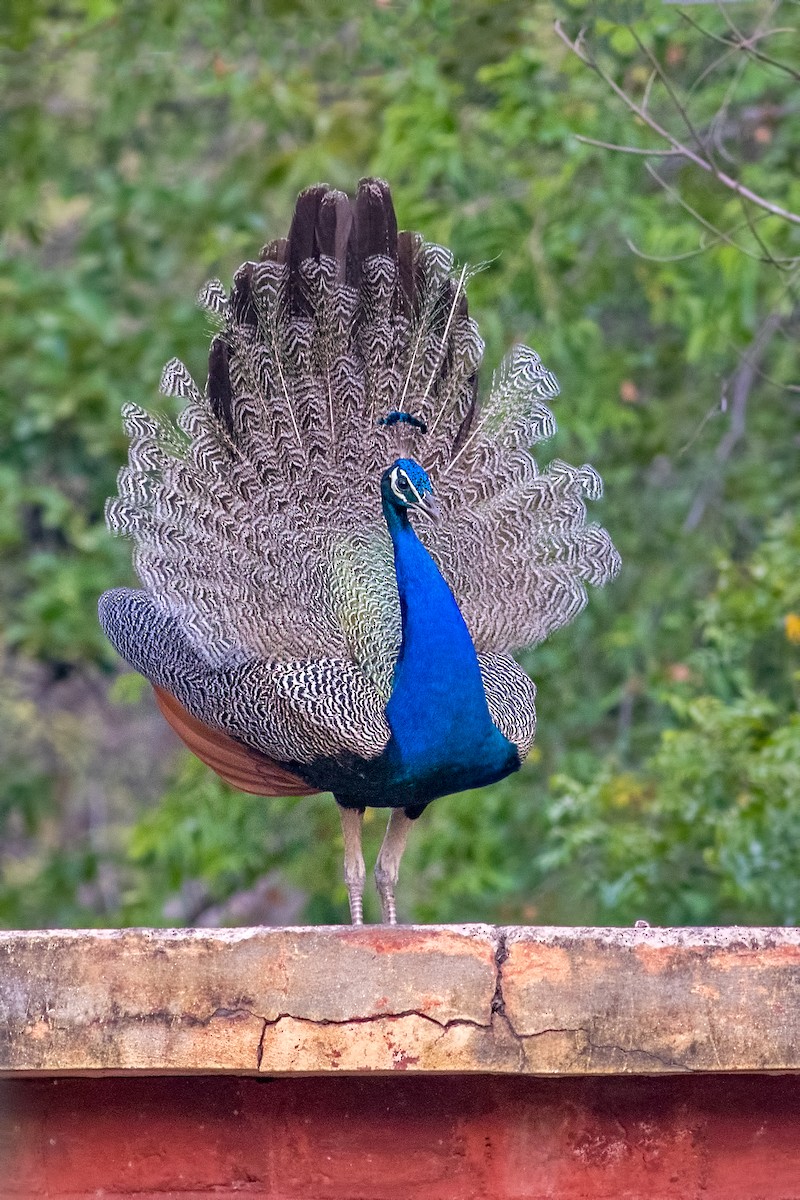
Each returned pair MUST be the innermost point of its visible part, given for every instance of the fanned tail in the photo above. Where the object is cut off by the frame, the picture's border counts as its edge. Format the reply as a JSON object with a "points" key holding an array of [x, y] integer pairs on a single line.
{"points": [[257, 521]]}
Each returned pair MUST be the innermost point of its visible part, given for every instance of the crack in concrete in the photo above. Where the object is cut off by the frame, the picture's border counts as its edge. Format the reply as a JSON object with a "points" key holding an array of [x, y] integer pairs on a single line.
{"points": [[496, 1011], [498, 1006], [380, 1016], [260, 1046], [498, 1024], [499, 1009], [269, 1022], [500, 956], [670, 1063]]}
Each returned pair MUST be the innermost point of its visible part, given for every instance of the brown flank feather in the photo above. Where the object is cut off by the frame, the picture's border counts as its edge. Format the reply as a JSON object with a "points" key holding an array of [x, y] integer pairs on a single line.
{"points": [[242, 767]]}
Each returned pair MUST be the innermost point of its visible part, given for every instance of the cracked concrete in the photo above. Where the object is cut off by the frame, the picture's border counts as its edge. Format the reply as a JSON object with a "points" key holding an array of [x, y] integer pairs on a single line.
{"points": [[428, 999]]}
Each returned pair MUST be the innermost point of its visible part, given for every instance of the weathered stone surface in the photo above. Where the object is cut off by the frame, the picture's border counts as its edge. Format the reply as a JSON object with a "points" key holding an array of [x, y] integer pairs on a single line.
{"points": [[443, 999], [646, 1001], [244, 1000]]}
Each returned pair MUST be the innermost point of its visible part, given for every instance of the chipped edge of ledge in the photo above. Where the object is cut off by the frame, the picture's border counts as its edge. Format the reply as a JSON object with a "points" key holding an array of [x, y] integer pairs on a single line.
{"points": [[679, 936]]}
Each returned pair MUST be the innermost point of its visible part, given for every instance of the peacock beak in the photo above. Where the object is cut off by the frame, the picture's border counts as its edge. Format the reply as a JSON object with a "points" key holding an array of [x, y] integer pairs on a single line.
{"points": [[430, 506]]}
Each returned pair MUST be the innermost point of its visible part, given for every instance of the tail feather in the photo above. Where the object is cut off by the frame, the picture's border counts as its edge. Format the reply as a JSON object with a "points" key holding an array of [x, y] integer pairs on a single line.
{"points": [[258, 520]]}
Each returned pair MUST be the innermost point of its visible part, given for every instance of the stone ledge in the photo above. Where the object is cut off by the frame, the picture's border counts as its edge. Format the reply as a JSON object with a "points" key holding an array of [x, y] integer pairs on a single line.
{"points": [[421, 999]]}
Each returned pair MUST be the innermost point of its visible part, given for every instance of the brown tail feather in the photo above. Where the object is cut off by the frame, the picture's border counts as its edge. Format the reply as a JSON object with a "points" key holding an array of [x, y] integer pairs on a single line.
{"points": [[242, 767]]}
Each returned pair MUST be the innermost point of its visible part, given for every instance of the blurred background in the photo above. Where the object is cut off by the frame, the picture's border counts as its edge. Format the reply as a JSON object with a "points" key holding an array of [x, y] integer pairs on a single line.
{"points": [[150, 146]]}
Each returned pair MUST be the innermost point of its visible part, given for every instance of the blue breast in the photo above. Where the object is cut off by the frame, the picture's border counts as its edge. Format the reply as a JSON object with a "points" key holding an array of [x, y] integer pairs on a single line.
{"points": [[443, 738]]}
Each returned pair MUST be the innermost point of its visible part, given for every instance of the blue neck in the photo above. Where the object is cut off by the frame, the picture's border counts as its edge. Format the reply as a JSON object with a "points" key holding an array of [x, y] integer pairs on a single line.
{"points": [[437, 711]]}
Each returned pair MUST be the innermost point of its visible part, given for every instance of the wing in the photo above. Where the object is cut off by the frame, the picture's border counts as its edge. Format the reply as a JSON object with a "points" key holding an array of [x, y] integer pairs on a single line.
{"points": [[511, 696], [291, 712], [318, 709]]}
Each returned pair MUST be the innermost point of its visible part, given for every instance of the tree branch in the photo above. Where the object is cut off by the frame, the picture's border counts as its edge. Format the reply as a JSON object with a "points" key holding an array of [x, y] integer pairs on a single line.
{"points": [[580, 137], [738, 388], [745, 45], [578, 48]]}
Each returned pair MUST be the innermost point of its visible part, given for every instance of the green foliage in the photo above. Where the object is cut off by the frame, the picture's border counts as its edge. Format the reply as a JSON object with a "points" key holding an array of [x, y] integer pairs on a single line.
{"points": [[149, 147], [206, 832], [708, 827], [42, 872]]}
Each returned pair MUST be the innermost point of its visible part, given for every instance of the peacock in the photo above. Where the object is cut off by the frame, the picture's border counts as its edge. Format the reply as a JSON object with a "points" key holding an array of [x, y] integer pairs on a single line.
{"points": [[340, 547]]}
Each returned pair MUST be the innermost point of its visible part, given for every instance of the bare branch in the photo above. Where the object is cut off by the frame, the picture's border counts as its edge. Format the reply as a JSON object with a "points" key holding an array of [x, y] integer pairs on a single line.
{"points": [[718, 233], [738, 387], [578, 48], [666, 258], [661, 74], [781, 264], [719, 236], [712, 412], [648, 89], [579, 137], [711, 68], [718, 123], [747, 45]]}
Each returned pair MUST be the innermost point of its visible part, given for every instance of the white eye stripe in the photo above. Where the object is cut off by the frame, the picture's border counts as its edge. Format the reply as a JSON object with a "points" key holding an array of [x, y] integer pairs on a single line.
{"points": [[401, 485], [393, 480]]}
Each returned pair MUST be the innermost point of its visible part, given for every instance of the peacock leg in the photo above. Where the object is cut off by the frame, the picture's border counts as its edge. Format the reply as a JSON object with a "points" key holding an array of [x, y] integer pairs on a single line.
{"points": [[355, 873], [387, 867]]}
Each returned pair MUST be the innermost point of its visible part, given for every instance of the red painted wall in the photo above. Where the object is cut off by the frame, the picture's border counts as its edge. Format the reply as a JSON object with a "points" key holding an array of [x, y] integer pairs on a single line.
{"points": [[466, 1138]]}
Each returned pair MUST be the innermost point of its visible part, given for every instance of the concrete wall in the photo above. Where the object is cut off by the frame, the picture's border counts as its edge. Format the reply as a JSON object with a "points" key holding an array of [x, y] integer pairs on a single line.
{"points": [[391, 1064]]}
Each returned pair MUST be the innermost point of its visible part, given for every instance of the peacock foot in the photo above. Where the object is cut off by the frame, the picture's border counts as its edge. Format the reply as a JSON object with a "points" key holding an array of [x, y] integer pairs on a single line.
{"points": [[387, 867]]}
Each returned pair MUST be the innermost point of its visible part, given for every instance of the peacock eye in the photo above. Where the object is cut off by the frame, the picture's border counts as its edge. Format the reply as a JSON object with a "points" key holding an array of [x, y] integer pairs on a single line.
{"points": [[402, 479]]}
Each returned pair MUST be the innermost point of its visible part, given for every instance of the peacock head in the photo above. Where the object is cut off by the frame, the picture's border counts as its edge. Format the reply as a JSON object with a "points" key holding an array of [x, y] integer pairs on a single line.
{"points": [[406, 486]]}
